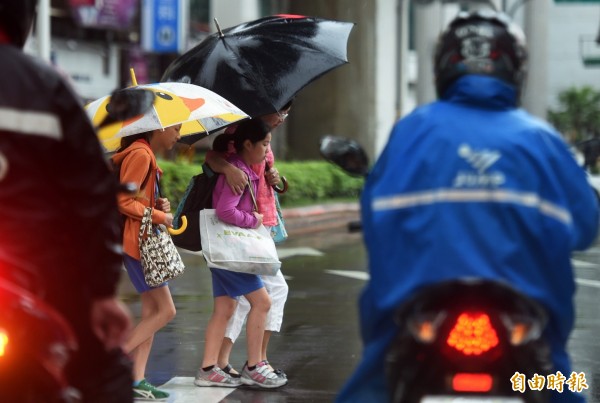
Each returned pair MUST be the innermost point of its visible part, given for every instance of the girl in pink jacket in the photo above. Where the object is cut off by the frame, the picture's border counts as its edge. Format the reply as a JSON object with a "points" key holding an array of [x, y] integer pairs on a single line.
{"points": [[251, 141]]}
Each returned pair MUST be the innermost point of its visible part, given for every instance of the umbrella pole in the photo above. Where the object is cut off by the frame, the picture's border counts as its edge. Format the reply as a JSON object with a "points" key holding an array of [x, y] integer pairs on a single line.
{"points": [[133, 80], [218, 28]]}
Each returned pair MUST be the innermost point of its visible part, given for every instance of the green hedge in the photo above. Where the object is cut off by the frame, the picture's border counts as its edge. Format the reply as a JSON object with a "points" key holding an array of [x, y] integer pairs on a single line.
{"points": [[309, 182]]}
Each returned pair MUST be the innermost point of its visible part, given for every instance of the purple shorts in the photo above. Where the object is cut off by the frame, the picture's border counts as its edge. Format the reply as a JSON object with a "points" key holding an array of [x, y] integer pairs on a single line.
{"points": [[136, 274], [234, 284]]}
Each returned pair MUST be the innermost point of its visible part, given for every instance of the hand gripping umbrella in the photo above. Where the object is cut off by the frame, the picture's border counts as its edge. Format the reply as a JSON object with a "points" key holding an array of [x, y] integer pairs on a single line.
{"points": [[198, 109], [262, 64]]}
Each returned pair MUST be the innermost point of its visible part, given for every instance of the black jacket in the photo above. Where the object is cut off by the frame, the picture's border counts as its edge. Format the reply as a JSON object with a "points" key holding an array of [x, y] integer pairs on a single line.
{"points": [[58, 211]]}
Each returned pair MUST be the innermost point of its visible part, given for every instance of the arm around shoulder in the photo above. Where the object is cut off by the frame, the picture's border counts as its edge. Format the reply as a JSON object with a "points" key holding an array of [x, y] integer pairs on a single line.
{"points": [[236, 178]]}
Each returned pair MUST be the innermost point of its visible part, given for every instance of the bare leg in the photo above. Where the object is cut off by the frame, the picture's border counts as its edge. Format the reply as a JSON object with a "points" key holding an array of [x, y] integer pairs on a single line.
{"points": [[260, 303], [215, 330], [265, 344], [140, 358], [158, 309], [225, 352]]}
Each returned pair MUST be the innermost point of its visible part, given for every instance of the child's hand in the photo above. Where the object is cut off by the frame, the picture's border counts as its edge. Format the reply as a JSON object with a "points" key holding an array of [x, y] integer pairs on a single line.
{"points": [[163, 204], [259, 217], [272, 177]]}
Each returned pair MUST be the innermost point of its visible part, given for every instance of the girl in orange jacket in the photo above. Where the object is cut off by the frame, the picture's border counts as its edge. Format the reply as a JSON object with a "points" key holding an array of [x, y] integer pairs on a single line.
{"points": [[137, 160]]}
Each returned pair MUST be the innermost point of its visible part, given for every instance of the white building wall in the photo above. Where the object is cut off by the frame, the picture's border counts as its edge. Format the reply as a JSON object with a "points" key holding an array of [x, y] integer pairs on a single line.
{"points": [[386, 13], [233, 12], [91, 68], [565, 68]]}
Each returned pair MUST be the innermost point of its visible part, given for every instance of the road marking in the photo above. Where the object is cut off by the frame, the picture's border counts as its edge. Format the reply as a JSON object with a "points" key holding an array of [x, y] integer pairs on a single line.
{"points": [[359, 275], [285, 253], [588, 283], [183, 390], [582, 264], [591, 251]]}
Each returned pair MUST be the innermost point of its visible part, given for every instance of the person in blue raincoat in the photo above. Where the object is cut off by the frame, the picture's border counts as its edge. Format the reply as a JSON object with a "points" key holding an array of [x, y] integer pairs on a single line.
{"points": [[472, 186]]}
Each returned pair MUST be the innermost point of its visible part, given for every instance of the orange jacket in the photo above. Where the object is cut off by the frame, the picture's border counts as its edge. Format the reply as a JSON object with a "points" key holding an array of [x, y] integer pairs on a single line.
{"points": [[136, 161]]}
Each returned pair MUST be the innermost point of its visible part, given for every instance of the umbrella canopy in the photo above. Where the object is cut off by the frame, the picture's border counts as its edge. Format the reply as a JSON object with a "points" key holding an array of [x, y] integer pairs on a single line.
{"points": [[199, 110], [262, 64]]}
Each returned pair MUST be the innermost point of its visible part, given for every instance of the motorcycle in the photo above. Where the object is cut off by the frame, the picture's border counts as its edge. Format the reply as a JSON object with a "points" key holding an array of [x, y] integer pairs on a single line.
{"points": [[35, 340], [468, 339]]}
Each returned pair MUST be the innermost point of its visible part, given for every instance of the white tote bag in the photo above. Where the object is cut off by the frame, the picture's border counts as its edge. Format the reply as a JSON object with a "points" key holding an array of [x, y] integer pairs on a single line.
{"points": [[244, 250]]}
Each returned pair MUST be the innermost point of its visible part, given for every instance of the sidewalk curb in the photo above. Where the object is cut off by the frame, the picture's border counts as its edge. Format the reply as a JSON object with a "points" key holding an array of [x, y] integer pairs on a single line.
{"points": [[319, 209], [319, 218]]}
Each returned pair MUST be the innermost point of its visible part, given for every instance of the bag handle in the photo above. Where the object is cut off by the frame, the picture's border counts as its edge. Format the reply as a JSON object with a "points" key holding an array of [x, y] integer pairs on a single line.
{"points": [[146, 227], [252, 193]]}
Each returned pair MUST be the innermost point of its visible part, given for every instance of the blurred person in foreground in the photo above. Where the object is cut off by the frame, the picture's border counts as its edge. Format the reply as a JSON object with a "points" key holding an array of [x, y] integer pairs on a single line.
{"points": [[472, 186], [59, 218]]}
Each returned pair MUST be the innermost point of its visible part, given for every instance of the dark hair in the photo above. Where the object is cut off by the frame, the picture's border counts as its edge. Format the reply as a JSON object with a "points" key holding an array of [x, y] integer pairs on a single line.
{"points": [[254, 130], [129, 140], [16, 18]]}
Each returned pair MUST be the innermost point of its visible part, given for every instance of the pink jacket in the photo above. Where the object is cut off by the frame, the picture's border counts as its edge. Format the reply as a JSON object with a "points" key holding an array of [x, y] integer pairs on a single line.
{"points": [[232, 208], [265, 198]]}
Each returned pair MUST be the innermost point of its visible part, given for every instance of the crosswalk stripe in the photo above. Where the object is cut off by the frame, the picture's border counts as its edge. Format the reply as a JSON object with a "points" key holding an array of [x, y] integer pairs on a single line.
{"points": [[285, 253], [358, 275], [581, 263], [588, 283], [183, 390]]}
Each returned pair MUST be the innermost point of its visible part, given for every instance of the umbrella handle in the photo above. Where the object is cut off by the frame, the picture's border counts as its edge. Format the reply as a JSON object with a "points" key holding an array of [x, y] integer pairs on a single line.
{"points": [[283, 188], [182, 228]]}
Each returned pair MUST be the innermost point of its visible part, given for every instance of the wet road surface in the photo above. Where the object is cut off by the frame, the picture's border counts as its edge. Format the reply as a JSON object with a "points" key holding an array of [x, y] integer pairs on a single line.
{"points": [[317, 347], [319, 343]]}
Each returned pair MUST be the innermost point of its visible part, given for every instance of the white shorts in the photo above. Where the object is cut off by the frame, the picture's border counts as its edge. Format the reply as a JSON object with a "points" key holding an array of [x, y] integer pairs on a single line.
{"points": [[277, 289]]}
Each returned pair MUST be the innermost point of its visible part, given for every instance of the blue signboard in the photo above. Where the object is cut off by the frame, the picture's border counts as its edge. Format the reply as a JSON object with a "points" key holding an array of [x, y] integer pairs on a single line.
{"points": [[160, 26]]}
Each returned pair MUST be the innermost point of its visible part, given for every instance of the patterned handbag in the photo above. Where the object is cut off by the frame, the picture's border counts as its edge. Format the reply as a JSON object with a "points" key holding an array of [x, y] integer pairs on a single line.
{"points": [[160, 260]]}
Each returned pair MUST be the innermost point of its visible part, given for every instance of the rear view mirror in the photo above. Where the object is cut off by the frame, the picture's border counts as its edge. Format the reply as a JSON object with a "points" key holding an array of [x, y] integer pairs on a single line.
{"points": [[345, 153]]}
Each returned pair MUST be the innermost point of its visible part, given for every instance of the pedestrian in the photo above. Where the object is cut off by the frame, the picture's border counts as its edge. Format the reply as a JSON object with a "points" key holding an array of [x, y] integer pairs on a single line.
{"points": [[276, 286], [137, 161], [59, 214], [251, 141], [471, 185]]}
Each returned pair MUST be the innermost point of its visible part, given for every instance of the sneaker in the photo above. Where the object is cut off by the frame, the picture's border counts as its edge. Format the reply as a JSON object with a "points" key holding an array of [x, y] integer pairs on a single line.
{"points": [[146, 392], [216, 377], [228, 369], [278, 372], [262, 376]]}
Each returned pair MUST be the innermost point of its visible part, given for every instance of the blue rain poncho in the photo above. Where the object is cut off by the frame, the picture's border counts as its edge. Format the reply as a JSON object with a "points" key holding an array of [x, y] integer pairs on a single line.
{"points": [[471, 186]]}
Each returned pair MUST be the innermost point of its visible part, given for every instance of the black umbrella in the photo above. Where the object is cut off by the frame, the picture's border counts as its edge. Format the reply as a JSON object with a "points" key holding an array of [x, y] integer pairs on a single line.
{"points": [[262, 64]]}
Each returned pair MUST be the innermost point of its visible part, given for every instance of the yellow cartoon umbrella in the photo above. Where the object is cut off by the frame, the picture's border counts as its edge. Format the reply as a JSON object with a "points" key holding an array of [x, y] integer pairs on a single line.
{"points": [[199, 110]]}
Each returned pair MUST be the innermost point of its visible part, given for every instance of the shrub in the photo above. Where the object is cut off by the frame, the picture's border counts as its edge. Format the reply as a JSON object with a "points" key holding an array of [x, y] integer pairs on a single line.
{"points": [[309, 182], [578, 114]]}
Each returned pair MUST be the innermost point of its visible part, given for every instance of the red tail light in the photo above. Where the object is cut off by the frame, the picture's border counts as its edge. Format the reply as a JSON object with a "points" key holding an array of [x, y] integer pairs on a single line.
{"points": [[464, 382], [3, 342], [473, 334]]}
